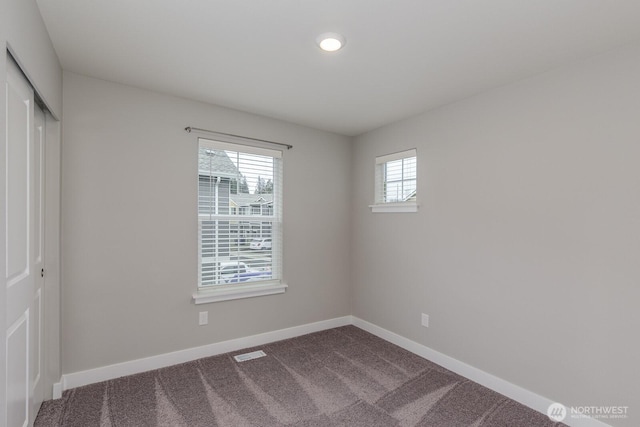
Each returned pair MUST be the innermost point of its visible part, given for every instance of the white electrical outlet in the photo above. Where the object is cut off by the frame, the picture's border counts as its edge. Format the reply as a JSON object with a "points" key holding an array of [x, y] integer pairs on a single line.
{"points": [[425, 320], [203, 318]]}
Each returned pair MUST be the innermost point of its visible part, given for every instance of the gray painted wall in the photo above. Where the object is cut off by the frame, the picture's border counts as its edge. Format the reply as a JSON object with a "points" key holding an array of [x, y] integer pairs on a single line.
{"points": [[129, 225], [525, 249]]}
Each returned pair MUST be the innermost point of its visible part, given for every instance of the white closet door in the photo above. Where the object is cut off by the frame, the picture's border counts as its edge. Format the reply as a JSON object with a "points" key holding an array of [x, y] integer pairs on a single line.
{"points": [[24, 230]]}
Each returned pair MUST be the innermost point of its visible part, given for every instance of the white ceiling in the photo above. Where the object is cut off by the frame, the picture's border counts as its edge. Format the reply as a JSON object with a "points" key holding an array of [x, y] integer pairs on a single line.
{"points": [[402, 57]]}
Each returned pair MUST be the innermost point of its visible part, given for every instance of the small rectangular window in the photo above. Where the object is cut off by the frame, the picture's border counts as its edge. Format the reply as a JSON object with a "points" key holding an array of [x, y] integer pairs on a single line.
{"points": [[239, 221], [396, 180]]}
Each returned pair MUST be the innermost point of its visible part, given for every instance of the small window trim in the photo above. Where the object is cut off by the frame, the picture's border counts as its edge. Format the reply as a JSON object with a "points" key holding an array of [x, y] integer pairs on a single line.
{"points": [[395, 207], [392, 207]]}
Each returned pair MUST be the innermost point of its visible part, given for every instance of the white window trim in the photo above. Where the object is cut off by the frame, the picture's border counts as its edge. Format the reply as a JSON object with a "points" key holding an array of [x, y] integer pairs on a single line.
{"points": [[407, 207], [396, 156], [245, 147], [231, 292], [394, 207], [218, 293]]}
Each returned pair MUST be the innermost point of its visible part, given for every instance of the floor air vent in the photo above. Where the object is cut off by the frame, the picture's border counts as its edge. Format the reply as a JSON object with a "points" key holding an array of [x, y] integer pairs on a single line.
{"points": [[249, 356]]}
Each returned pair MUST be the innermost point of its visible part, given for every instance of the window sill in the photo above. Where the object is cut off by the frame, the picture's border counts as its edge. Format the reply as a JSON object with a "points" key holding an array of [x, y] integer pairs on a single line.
{"points": [[231, 292], [394, 208]]}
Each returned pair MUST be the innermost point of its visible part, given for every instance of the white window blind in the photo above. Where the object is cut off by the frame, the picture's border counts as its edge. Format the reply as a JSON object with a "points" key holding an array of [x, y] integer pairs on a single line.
{"points": [[396, 178], [239, 215]]}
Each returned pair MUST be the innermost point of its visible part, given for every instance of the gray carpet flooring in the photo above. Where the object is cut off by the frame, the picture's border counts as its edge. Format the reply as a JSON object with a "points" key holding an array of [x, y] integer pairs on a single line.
{"points": [[339, 377]]}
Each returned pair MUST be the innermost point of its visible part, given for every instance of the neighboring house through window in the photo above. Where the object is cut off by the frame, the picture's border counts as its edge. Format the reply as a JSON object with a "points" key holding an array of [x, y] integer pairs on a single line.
{"points": [[239, 221]]}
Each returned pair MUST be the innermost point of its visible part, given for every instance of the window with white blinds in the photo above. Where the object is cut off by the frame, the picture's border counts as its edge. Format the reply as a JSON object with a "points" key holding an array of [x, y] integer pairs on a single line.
{"points": [[239, 216], [396, 182]]}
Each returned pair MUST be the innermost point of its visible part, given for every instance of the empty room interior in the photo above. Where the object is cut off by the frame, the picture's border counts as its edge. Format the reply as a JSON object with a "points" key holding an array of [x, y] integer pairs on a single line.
{"points": [[320, 213]]}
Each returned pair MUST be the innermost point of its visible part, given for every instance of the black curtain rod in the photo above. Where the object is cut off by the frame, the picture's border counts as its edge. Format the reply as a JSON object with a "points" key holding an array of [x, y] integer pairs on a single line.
{"points": [[189, 129]]}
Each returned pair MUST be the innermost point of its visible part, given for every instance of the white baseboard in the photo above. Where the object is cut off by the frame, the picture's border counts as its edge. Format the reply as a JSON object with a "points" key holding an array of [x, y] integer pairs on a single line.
{"points": [[57, 390], [512, 391], [78, 379]]}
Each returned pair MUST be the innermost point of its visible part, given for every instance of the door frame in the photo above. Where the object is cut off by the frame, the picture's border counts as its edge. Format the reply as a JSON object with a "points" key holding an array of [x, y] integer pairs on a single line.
{"points": [[52, 317]]}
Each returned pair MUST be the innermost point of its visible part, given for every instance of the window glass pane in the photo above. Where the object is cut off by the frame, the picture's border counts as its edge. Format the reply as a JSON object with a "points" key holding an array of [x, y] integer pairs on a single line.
{"points": [[394, 170], [409, 168]]}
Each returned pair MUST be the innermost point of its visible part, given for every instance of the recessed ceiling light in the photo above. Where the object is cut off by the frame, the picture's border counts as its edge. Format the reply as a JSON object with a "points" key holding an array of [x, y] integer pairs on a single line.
{"points": [[330, 42]]}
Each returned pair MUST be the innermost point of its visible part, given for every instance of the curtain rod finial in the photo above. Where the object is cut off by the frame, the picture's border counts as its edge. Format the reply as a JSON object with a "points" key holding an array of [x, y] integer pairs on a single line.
{"points": [[188, 129]]}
